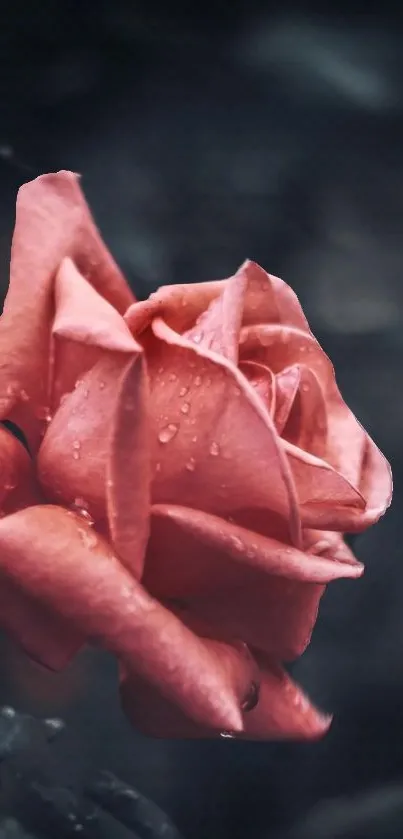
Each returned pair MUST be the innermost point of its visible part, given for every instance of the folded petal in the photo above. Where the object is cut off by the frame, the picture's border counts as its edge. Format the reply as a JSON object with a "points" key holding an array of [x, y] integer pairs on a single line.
{"points": [[306, 425], [178, 305], [263, 382], [73, 457], [331, 545], [52, 222], [129, 468], [287, 384], [276, 708], [215, 443], [191, 552], [55, 557], [376, 483], [18, 485], [45, 636]]}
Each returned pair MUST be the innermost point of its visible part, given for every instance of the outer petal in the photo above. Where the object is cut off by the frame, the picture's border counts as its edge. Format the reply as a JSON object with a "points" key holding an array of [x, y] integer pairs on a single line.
{"points": [[18, 485], [44, 636], [52, 222], [376, 482], [223, 555], [278, 710], [215, 442], [55, 557]]}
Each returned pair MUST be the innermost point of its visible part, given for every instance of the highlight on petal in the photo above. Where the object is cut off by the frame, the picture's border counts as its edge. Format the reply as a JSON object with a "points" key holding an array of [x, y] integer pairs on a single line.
{"points": [[215, 442], [55, 557]]}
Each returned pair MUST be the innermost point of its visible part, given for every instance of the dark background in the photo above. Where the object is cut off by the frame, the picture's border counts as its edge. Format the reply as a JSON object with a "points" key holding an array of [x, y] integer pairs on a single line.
{"points": [[205, 135]]}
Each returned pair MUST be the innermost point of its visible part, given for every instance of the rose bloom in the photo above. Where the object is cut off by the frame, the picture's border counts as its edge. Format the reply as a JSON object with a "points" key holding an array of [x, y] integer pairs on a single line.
{"points": [[189, 471]]}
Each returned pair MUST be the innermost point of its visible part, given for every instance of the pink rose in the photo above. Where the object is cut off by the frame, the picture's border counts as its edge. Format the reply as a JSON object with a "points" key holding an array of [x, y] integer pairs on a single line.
{"points": [[192, 468]]}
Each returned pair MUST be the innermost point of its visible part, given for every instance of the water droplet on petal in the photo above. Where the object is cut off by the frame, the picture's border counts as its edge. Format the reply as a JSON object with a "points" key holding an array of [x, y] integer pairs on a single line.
{"points": [[305, 387], [237, 543], [12, 389], [76, 455], [183, 391], [252, 698], [227, 735], [88, 538], [168, 433], [185, 408], [197, 337], [86, 393], [101, 385], [76, 445], [214, 449], [191, 465], [194, 439], [24, 395], [158, 467], [198, 381], [160, 371], [173, 377], [80, 507]]}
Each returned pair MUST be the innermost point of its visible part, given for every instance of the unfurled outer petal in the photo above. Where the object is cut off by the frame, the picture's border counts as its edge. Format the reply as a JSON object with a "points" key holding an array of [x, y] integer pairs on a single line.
{"points": [[52, 222], [275, 709], [45, 636], [55, 557], [215, 443]]}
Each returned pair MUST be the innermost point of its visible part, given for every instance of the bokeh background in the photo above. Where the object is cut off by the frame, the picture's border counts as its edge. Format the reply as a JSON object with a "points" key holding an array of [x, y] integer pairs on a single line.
{"points": [[204, 136]]}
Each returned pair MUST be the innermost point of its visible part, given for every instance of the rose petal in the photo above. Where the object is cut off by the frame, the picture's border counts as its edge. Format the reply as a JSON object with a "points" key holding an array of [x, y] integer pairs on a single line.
{"points": [[281, 347], [262, 381], [57, 558], [18, 485], [52, 221], [44, 636], [215, 442], [306, 425], [331, 545], [287, 384], [73, 457], [178, 305], [376, 483], [282, 711], [222, 555], [129, 469]]}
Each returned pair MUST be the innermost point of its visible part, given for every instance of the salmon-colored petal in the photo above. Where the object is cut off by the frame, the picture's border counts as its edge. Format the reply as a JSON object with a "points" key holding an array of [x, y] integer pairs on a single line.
{"points": [[306, 425], [193, 553], [178, 305], [376, 483], [52, 222], [43, 635], [328, 544], [84, 326], [287, 384], [54, 556], [218, 327], [283, 710], [274, 614], [327, 500], [215, 443], [263, 382], [275, 708], [18, 485], [129, 469], [281, 347], [74, 453]]}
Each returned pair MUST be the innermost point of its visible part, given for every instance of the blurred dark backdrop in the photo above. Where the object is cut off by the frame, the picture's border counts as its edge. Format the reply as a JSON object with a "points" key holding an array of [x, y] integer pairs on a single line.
{"points": [[205, 135]]}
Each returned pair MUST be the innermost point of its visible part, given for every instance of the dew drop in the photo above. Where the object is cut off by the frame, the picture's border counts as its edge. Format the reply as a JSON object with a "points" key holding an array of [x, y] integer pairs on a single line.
{"points": [[252, 698], [173, 377], [302, 348], [76, 445], [185, 408], [191, 465], [12, 389], [80, 507], [305, 387], [43, 413], [227, 735], [183, 391], [194, 439], [198, 381], [76, 455], [24, 395], [11, 484], [101, 385], [88, 538], [214, 449], [86, 393], [197, 337], [237, 543], [160, 371], [168, 433]]}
